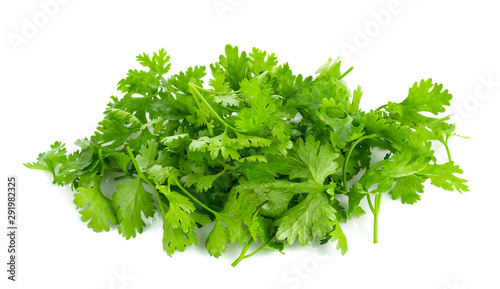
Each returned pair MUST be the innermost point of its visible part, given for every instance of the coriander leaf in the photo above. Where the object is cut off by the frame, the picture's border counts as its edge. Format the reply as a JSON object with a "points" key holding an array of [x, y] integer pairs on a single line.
{"points": [[129, 201], [227, 99], [329, 69], [443, 176], [235, 66], [313, 214], [176, 239], [216, 240], [404, 163], [260, 61], [100, 208], [355, 198], [116, 128], [202, 182], [408, 189], [64, 168], [181, 80], [426, 96], [320, 159], [159, 64], [260, 228], [147, 155], [338, 235]]}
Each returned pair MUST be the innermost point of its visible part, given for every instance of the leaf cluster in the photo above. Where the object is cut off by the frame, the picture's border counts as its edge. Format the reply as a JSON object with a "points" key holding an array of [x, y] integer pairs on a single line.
{"points": [[262, 154]]}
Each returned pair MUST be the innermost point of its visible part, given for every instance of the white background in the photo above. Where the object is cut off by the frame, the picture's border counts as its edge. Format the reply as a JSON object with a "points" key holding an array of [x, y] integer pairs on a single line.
{"points": [[60, 63]]}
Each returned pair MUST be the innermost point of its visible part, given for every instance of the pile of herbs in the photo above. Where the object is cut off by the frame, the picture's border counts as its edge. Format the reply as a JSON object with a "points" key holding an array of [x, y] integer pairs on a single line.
{"points": [[262, 154]]}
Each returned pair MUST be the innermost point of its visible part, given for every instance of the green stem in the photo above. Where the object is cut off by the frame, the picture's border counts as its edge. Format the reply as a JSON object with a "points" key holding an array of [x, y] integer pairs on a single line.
{"points": [[378, 199], [382, 106], [209, 128], [144, 178], [198, 94], [226, 166], [370, 204], [243, 252], [345, 73], [447, 151], [177, 183], [348, 156], [211, 91], [104, 166]]}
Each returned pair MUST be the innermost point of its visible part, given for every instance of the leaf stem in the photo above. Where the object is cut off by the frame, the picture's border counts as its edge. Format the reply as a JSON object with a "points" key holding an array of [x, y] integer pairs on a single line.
{"points": [[382, 106], [198, 94], [211, 91], [378, 200], [144, 178], [370, 203], [243, 252], [177, 183], [348, 156], [445, 143], [345, 73], [104, 166], [209, 128]]}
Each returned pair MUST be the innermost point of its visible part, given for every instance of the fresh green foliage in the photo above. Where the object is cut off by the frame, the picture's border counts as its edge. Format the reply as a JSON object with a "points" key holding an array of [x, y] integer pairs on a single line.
{"points": [[263, 155]]}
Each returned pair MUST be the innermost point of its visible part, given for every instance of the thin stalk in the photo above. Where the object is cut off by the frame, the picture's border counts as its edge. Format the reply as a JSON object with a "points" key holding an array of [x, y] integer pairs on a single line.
{"points": [[226, 166], [210, 132], [198, 94], [345, 73], [249, 255], [378, 200], [211, 91], [370, 204], [144, 178], [348, 156], [382, 106], [177, 183], [447, 150], [243, 252], [104, 166]]}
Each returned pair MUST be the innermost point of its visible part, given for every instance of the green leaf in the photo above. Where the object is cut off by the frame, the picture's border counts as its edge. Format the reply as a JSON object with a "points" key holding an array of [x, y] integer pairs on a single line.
{"points": [[202, 182], [260, 61], [404, 163], [408, 189], [175, 239], [181, 80], [100, 210], [159, 64], [330, 69], [217, 239], [276, 195], [443, 176], [313, 214], [320, 159], [235, 66], [129, 201], [426, 96], [116, 128], [64, 168], [252, 141], [338, 235], [147, 155]]}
